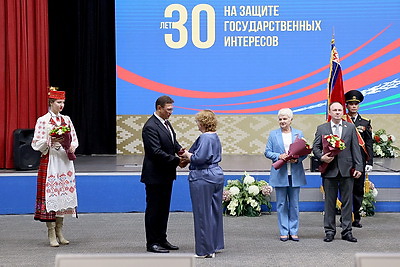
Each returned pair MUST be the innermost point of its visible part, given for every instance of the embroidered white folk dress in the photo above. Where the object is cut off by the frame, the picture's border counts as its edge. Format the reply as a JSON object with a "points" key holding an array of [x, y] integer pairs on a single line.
{"points": [[60, 187]]}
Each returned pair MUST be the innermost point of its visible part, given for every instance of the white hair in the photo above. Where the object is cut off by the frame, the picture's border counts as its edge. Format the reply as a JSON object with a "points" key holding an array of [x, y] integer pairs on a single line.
{"points": [[286, 112]]}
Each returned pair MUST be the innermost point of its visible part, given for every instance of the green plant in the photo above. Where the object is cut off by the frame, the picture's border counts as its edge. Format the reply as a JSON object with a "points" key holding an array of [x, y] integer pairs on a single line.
{"points": [[368, 203]]}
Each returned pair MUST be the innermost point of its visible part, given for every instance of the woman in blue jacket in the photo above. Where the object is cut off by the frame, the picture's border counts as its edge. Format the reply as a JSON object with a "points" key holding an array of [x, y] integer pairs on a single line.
{"points": [[288, 179]]}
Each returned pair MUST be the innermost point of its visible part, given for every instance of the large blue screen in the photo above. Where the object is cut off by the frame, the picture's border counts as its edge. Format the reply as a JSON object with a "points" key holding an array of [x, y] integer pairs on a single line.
{"points": [[255, 57]]}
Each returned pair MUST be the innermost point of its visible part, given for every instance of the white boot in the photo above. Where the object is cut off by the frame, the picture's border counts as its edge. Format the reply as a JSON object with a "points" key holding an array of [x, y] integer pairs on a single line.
{"points": [[59, 234], [51, 227]]}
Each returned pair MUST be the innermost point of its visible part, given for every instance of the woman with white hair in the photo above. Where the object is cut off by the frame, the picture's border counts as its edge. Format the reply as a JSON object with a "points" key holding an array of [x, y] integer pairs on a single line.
{"points": [[288, 179]]}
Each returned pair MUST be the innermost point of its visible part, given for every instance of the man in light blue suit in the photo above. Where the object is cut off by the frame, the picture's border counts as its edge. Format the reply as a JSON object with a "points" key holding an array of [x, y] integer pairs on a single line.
{"points": [[288, 179]]}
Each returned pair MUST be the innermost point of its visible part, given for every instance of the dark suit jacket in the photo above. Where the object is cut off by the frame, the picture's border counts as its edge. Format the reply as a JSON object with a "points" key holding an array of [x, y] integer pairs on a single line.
{"points": [[348, 158], [160, 160], [364, 128]]}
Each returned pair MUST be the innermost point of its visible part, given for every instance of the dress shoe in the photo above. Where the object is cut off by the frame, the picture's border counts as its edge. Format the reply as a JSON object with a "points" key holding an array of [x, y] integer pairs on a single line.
{"points": [[294, 238], [157, 249], [329, 238], [349, 237], [283, 238], [169, 246], [207, 256], [356, 224]]}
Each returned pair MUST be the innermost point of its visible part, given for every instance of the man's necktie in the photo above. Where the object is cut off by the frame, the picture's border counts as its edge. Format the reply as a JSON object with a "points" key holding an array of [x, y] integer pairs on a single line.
{"points": [[336, 130], [169, 130]]}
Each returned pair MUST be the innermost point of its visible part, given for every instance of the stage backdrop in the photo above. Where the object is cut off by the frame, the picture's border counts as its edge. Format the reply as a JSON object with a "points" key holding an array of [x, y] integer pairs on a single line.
{"points": [[251, 57]]}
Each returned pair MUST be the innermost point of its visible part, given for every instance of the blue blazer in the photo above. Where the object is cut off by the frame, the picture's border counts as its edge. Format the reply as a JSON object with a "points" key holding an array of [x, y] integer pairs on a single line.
{"points": [[274, 148]]}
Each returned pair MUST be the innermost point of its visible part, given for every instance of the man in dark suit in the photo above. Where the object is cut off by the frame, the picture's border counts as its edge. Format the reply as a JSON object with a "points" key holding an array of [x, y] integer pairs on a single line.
{"points": [[340, 173], [158, 173], [363, 126]]}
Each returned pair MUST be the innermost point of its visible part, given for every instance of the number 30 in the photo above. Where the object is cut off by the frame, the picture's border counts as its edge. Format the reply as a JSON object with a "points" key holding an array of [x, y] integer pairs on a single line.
{"points": [[183, 32]]}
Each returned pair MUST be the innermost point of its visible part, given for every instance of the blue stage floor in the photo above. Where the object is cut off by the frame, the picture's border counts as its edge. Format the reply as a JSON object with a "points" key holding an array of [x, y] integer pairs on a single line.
{"points": [[112, 184]]}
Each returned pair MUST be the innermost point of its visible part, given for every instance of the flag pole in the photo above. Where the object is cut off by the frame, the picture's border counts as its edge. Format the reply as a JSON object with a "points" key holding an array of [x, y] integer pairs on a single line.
{"points": [[328, 85], [335, 90]]}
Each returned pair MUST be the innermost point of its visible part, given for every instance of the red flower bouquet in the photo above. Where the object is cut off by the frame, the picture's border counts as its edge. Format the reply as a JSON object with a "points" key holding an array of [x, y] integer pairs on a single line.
{"points": [[296, 149], [59, 131], [65, 132], [331, 144]]}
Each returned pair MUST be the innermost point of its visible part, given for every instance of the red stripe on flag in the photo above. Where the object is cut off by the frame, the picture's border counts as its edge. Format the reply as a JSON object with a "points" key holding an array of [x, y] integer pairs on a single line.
{"points": [[335, 81]]}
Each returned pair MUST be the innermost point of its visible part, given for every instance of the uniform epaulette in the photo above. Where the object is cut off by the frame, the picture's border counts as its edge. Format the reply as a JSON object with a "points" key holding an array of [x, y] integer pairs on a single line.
{"points": [[362, 117]]}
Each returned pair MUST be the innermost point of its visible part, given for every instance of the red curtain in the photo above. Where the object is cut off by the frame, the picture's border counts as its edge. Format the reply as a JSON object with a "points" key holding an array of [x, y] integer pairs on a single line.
{"points": [[23, 69]]}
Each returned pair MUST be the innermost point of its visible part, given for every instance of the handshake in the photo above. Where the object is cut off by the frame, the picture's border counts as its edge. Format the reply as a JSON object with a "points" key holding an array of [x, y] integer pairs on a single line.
{"points": [[184, 157]]}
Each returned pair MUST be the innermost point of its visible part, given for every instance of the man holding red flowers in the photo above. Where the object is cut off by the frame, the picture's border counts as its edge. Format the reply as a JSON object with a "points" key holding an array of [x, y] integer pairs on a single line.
{"points": [[340, 173]]}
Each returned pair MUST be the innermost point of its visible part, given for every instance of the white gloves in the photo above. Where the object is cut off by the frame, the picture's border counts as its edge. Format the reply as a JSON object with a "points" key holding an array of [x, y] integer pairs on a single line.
{"points": [[368, 168]]}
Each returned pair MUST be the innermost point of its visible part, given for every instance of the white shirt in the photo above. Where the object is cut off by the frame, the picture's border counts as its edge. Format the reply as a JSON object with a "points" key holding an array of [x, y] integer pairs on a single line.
{"points": [[56, 118], [287, 140], [340, 125], [165, 125]]}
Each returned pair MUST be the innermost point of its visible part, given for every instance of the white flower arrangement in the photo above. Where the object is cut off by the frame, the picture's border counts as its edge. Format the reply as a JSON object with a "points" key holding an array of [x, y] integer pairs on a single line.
{"points": [[248, 179], [244, 197], [234, 190], [383, 145], [253, 190]]}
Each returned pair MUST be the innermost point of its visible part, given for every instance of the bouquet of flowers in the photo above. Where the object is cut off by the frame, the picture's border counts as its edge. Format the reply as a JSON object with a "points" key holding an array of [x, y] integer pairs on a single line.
{"points": [[59, 131], [244, 197], [297, 149], [370, 194], [65, 132], [382, 145], [333, 144]]}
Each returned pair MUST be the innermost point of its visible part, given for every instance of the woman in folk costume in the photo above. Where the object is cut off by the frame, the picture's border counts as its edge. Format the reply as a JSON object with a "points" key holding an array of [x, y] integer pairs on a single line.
{"points": [[56, 138]]}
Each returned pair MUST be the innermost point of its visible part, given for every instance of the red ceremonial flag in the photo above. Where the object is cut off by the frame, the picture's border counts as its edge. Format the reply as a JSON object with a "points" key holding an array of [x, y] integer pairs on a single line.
{"points": [[336, 90], [335, 80]]}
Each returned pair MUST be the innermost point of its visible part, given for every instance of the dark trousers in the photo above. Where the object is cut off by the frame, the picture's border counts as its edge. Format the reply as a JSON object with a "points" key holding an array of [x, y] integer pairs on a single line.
{"points": [[158, 199], [331, 187], [358, 196]]}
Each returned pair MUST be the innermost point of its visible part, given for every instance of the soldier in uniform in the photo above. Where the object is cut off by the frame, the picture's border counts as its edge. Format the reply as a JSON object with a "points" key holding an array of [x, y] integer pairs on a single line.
{"points": [[363, 125]]}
